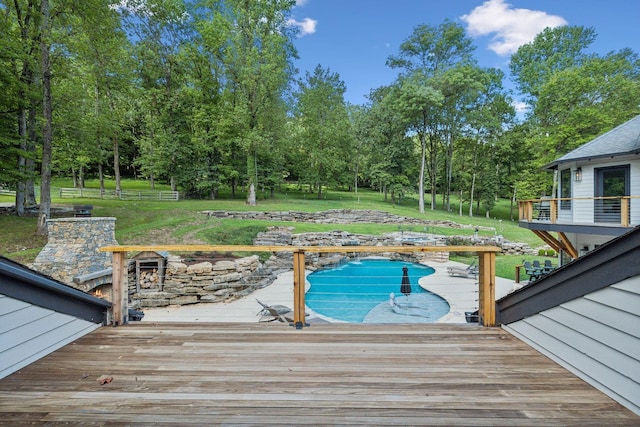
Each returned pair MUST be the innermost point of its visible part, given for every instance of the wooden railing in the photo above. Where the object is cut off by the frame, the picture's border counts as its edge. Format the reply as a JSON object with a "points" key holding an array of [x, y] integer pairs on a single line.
{"points": [[600, 209], [96, 193], [486, 262]]}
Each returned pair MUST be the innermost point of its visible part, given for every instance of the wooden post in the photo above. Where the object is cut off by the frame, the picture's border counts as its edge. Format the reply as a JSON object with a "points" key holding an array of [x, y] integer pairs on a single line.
{"points": [[624, 211], [298, 289], [119, 293], [487, 297]]}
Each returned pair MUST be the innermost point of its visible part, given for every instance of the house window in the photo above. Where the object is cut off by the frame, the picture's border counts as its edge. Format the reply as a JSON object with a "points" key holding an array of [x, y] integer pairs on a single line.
{"points": [[565, 189]]}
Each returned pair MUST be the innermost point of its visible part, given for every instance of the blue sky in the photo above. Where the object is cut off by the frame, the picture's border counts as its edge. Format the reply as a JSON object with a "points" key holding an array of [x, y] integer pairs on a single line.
{"points": [[354, 38]]}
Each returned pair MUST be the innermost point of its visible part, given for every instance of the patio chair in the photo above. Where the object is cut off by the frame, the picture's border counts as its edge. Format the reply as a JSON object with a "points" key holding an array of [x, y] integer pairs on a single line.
{"points": [[533, 273], [548, 267], [272, 313], [470, 272]]}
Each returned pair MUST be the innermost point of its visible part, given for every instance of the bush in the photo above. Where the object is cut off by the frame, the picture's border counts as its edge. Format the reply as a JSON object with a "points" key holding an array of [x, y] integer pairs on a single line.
{"points": [[541, 252], [551, 252]]}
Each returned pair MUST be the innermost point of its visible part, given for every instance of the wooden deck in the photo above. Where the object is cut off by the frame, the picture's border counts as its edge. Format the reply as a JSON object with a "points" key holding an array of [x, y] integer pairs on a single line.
{"points": [[327, 374]]}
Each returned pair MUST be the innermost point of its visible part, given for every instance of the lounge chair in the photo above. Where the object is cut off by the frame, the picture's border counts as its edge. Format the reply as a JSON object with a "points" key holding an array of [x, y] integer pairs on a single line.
{"points": [[548, 266], [407, 308], [272, 313], [470, 272]]}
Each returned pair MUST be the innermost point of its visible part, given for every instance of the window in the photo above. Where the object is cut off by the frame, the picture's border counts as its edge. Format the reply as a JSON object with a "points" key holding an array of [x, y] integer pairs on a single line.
{"points": [[565, 189]]}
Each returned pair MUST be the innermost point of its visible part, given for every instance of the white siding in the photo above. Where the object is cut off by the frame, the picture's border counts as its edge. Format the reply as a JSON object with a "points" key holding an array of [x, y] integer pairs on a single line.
{"points": [[29, 332], [597, 337]]}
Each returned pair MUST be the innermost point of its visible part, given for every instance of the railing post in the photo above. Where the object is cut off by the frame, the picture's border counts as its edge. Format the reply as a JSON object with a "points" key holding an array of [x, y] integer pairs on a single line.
{"points": [[119, 293], [298, 289], [487, 296], [624, 212], [553, 210]]}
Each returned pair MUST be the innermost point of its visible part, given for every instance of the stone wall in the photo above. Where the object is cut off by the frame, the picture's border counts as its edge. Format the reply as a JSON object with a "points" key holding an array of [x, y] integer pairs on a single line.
{"points": [[201, 282], [339, 216], [72, 247], [282, 236]]}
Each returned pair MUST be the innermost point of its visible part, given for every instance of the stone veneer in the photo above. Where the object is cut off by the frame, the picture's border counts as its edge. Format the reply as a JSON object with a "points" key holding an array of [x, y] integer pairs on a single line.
{"points": [[72, 247], [202, 282]]}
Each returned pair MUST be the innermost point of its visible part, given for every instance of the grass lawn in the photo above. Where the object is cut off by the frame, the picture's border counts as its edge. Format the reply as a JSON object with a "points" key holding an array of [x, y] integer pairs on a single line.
{"points": [[165, 222]]}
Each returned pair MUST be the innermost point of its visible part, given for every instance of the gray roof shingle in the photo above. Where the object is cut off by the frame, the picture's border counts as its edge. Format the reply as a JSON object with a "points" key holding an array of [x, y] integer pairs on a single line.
{"points": [[624, 139]]}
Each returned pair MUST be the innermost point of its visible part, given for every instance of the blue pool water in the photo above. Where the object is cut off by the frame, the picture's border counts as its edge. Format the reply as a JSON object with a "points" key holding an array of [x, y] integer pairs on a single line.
{"points": [[352, 290]]}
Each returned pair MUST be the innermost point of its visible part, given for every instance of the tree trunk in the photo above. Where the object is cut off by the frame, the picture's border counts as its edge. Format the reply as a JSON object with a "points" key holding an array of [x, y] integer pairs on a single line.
{"points": [[47, 130], [251, 198], [423, 161], [22, 163], [101, 175]]}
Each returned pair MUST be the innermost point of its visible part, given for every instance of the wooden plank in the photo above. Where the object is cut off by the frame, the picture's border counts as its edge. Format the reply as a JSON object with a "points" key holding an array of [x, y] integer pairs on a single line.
{"points": [[299, 282], [119, 284], [333, 374], [315, 249]]}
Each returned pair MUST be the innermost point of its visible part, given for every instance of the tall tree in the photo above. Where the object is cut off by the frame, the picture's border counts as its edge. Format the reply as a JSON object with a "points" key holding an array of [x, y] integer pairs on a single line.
{"points": [[553, 50], [423, 59], [258, 67], [325, 132]]}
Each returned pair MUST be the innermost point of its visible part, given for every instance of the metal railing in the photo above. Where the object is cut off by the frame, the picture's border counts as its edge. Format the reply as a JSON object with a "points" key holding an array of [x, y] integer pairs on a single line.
{"points": [[583, 210]]}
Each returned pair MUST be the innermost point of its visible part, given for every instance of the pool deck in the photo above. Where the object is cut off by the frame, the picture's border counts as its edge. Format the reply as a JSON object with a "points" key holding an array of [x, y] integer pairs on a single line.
{"points": [[461, 294]]}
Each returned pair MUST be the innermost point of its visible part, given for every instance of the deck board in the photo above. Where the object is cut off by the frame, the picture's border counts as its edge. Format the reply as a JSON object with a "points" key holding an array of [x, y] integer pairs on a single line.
{"points": [[327, 374]]}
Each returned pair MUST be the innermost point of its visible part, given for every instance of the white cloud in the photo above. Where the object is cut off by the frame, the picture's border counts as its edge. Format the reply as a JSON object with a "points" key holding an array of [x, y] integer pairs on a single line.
{"points": [[520, 107], [511, 27], [300, 3], [306, 26]]}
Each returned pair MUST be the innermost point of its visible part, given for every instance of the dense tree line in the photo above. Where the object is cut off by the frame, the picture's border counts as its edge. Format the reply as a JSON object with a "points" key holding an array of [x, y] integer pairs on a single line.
{"points": [[204, 94]]}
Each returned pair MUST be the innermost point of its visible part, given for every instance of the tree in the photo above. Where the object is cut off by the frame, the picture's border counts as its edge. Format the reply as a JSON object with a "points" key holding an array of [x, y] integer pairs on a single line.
{"points": [[424, 59], [324, 129], [553, 50], [257, 59]]}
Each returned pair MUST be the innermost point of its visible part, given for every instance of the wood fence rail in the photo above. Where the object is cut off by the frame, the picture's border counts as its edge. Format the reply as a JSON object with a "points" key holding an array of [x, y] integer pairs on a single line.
{"points": [[486, 262]]}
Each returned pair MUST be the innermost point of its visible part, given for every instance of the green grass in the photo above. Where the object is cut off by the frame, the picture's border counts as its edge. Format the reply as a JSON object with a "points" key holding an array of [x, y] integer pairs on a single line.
{"points": [[165, 222]]}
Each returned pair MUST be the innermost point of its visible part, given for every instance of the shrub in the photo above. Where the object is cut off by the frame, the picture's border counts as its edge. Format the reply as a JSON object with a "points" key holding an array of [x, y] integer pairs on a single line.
{"points": [[551, 252], [541, 252]]}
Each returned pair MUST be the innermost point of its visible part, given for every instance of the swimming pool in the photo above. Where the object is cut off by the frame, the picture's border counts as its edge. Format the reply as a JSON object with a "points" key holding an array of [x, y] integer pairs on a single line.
{"points": [[349, 292]]}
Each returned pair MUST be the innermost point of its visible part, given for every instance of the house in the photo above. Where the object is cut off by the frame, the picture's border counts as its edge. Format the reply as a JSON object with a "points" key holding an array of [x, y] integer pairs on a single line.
{"points": [[597, 194], [39, 315], [585, 315]]}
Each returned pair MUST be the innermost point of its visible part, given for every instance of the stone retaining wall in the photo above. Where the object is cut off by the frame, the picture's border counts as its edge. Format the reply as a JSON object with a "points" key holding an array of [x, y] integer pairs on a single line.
{"points": [[202, 282], [338, 216]]}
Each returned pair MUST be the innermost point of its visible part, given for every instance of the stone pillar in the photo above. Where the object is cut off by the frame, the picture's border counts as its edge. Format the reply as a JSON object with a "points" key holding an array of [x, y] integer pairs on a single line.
{"points": [[72, 247]]}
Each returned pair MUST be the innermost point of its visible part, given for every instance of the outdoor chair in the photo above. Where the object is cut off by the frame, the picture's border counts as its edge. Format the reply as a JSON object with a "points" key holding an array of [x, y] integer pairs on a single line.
{"points": [[470, 272], [548, 267], [273, 313], [533, 273]]}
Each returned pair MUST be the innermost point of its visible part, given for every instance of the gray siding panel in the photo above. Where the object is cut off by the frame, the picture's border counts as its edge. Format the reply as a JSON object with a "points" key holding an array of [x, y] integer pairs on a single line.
{"points": [[29, 332], [596, 336]]}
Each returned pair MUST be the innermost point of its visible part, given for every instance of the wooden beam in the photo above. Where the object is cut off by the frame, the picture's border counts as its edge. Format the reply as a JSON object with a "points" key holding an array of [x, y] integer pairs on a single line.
{"points": [[567, 246], [549, 239], [315, 249], [119, 291], [299, 287], [487, 294]]}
